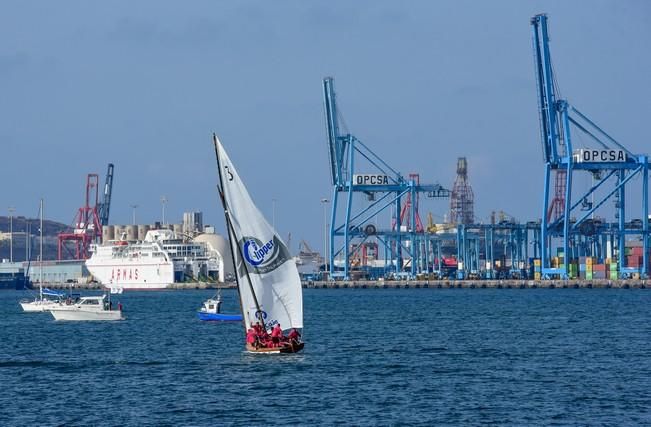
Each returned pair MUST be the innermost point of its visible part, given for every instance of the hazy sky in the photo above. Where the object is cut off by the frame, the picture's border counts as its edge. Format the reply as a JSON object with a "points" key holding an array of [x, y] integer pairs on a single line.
{"points": [[144, 84]]}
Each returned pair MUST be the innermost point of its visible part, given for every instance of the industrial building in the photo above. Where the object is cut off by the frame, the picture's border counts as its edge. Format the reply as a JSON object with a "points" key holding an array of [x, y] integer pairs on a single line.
{"points": [[70, 271]]}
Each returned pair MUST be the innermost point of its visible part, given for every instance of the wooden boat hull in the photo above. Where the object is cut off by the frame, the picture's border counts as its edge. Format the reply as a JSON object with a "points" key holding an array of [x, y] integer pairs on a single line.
{"points": [[289, 348]]}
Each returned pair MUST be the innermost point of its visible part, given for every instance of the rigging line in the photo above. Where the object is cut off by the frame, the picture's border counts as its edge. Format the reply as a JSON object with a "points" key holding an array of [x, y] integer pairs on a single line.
{"points": [[378, 158], [590, 134], [367, 157], [558, 96], [602, 131], [341, 119], [557, 89]]}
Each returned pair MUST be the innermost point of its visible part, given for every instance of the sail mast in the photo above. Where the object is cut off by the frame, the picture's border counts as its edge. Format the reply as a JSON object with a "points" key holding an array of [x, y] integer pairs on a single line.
{"points": [[40, 274], [232, 237]]}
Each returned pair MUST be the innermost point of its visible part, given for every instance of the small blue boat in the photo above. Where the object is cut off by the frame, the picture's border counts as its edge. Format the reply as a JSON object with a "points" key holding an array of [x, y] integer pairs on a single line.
{"points": [[211, 311], [219, 317]]}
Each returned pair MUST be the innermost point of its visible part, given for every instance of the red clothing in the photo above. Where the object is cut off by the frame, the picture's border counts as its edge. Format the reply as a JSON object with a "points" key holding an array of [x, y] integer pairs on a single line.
{"points": [[250, 336], [276, 332], [294, 335]]}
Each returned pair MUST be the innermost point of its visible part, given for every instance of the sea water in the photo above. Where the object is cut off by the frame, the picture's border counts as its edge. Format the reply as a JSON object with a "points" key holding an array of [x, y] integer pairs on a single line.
{"points": [[372, 357]]}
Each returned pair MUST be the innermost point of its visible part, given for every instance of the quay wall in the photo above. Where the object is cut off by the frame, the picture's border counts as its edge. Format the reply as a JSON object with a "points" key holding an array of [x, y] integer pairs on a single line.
{"points": [[479, 284], [415, 284], [175, 286]]}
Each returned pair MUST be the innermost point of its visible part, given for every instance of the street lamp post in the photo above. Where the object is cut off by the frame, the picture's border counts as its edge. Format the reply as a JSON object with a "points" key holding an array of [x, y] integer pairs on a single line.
{"points": [[28, 239], [11, 233], [134, 207], [326, 267], [163, 201]]}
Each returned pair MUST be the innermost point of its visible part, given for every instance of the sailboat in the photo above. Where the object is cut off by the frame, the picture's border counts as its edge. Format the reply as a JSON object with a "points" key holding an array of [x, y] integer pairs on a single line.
{"points": [[268, 283], [46, 298]]}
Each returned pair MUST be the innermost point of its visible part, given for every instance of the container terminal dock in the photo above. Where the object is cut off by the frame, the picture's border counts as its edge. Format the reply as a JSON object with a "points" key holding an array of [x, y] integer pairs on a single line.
{"points": [[374, 232], [584, 234]]}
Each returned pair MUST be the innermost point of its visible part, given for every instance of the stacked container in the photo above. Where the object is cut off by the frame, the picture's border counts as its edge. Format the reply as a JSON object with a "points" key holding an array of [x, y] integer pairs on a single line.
{"points": [[634, 256], [611, 269], [588, 268], [599, 271], [573, 270], [537, 269]]}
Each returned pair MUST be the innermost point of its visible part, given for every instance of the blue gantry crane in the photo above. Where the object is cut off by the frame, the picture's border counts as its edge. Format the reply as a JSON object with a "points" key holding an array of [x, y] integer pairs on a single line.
{"points": [[105, 205], [366, 186], [610, 165]]}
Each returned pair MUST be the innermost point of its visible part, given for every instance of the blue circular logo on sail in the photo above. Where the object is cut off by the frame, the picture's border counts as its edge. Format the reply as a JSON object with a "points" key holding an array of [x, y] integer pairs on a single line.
{"points": [[263, 256]]}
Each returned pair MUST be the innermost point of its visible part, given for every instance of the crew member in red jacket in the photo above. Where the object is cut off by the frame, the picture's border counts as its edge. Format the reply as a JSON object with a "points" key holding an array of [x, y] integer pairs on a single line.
{"points": [[251, 338], [294, 335], [276, 335]]}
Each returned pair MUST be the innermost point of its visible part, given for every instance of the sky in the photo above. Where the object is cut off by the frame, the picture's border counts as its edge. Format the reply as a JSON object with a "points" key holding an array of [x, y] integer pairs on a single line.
{"points": [[144, 85]]}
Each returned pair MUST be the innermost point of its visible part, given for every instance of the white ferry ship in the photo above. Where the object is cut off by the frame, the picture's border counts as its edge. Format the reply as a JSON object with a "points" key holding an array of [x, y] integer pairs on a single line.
{"points": [[158, 261]]}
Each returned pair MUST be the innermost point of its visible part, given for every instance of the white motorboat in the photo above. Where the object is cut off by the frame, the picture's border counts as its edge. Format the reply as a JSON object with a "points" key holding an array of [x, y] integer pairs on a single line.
{"points": [[87, 308], [212, 305]]}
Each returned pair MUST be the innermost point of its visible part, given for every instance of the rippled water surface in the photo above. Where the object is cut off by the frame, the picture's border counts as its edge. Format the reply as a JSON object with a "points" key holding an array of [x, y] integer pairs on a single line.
{"points": [[404, 356]]}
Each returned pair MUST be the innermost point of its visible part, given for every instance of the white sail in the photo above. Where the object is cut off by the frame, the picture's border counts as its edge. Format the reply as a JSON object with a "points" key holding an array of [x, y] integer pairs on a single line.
{"points": [[272, 275]]}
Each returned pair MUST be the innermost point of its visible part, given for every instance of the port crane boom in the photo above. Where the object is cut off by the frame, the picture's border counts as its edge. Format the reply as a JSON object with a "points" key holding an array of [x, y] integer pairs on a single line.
{"points": [[105, 205]]}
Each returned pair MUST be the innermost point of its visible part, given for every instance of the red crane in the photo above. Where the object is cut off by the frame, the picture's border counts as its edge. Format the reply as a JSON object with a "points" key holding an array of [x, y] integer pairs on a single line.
{"points": [[86, 226], [407, 206], [557, 207]]}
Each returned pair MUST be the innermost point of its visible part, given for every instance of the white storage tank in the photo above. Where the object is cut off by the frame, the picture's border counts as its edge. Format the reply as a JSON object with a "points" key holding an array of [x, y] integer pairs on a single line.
{"points": [[118, 230], [219, 244], [142, 231], [178, 230], [132, 233], [108, 233]]}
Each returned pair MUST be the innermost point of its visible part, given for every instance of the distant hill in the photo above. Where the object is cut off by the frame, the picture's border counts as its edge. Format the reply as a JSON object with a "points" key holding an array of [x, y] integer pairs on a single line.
{"points": [[51, 230]]}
